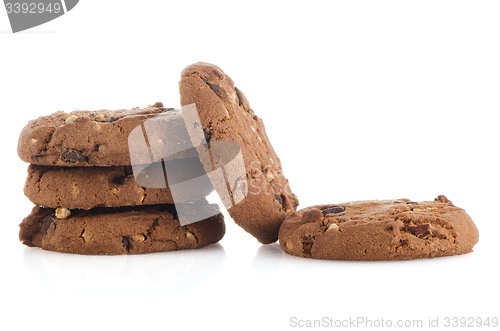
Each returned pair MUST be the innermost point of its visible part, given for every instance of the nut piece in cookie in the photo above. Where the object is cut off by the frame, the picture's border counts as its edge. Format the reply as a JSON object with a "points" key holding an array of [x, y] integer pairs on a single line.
{"points": [[62, 212]]}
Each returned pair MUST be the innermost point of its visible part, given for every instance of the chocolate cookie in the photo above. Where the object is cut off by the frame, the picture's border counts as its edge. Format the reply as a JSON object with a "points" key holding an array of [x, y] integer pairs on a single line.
{"points": [[379, 230], [86, 138], [91, 187], [225, 115], [126, 230]]}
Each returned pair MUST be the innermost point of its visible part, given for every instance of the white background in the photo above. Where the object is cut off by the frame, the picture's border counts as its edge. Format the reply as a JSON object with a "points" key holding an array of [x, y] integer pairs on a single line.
{"points": [[361, 100]]}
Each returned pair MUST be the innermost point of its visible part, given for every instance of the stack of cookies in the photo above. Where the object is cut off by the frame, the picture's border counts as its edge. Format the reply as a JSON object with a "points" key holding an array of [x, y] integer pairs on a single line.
{"points": [[88, 200], [96, 191], [112, 182]]}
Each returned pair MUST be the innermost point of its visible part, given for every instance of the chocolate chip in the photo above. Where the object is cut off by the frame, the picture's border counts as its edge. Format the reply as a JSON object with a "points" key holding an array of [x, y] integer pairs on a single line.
{"points": [[73, 156], [217, 73], [216, 88], [411, 203], [158, 104], [126, 243], [333, 210], [111, 119], [118, 179], [444, 199], [28, 243], [47, 221], [240, 96], [208, 133], [278, 197], [420, 230], [284, 202], [307, 244]]}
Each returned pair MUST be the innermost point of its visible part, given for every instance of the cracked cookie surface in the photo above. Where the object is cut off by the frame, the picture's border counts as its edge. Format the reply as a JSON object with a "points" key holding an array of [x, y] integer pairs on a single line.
{"points": [[85, 138], [113, 231], [225, 115], [379, 230]]}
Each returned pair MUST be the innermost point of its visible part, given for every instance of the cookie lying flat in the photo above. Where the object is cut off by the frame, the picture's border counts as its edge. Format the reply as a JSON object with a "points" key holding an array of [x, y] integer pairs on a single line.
{"points": [[379, 230], [225, 115], [85, 138], [126, 230], [91, 187]]}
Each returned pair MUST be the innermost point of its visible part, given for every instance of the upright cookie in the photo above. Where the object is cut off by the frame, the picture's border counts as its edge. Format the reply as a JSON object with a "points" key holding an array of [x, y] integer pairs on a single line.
{"points": [[379, 230], [126, 230], [86, 138], [91, 187], [225, 115]]}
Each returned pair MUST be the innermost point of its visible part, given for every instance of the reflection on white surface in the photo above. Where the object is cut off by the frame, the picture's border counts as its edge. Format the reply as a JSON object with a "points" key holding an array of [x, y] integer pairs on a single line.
{"points": [[267, 258], [271, 259], [123, 273]]}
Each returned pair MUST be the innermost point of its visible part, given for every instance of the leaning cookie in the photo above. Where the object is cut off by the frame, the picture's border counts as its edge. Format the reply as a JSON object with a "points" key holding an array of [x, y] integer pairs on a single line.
{"points": [[126, 230], [88, 138], [91, 187], [225, 115], [379, 230]]}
